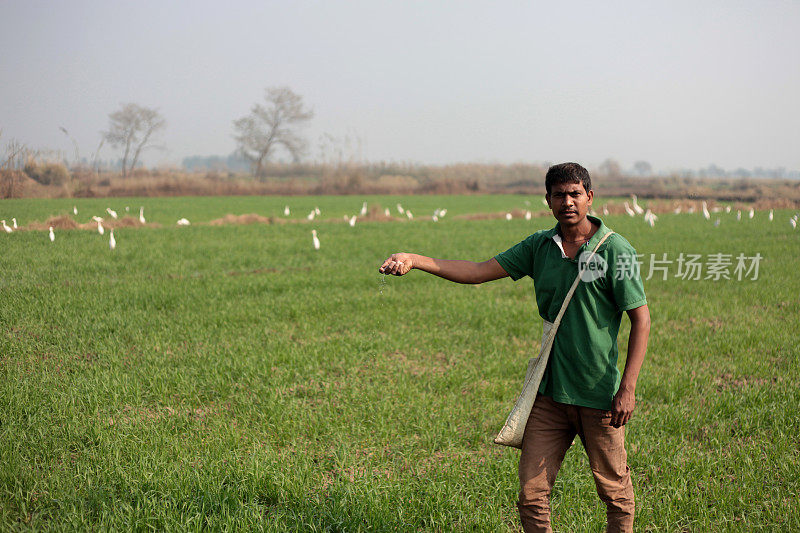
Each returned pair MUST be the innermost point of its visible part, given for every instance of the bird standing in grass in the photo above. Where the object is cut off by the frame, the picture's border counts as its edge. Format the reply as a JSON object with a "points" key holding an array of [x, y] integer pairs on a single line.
{"points": [[14, 223], [628, 210], [286, 211], [636, 207], [99, 221], [770, 215], [5, 227], [111, 212], [141, 215], [74, 209], [112, 242], [315, 239], [52, 235]]}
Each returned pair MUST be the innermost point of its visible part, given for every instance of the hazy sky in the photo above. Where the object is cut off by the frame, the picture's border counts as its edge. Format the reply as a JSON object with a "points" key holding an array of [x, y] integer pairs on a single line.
{"points": [[680, 84]]}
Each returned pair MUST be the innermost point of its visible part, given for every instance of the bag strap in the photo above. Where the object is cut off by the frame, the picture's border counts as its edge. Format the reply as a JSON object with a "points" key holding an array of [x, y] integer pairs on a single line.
{"points": [[557, 321]]}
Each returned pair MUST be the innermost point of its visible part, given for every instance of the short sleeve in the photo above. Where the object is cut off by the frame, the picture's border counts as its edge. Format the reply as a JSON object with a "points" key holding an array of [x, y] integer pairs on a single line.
{"points": [[625, 275], [517, 261]]}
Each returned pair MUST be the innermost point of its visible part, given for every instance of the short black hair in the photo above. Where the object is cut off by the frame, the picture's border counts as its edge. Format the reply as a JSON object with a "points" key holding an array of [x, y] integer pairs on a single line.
{"points": [[567, 173]]}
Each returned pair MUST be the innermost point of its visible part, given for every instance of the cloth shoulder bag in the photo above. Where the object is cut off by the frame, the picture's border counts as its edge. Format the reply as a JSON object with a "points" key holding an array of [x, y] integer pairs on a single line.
{"points": [[514, 428]]}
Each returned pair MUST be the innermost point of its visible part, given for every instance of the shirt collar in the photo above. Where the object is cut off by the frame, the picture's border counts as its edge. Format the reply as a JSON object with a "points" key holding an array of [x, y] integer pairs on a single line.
{"points": [[591, 243]]}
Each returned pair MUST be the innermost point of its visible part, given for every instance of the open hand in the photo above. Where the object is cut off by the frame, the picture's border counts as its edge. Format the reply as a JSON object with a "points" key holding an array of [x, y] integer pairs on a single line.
{"points": [[397, 264]]}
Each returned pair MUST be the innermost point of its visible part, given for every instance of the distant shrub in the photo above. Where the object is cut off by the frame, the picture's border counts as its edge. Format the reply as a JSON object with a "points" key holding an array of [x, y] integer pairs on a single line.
{"points": [[47, 173]]}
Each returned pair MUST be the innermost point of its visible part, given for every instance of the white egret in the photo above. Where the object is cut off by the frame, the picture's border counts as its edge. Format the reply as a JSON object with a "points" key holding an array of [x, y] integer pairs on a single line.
{"points": [[14, 223], [183, 222], [442, 212], [52, 235], [636, 207], [793, 222], [435, 218], [677, 210], [727, 209], [286, 211], [311, 215], [5, 226], [352, 221], [387, 213], [751, 213], [409, 215], [770, 215], [738, 214], [508, 216], [315, 239], [528, 215], [400, 209], [112, 242], [111, 212], [628, 210], [141, 215], [605, 210], [364, 209], [317, 211], [74, 209], [706, 214], [127, 208], [100, 228]]}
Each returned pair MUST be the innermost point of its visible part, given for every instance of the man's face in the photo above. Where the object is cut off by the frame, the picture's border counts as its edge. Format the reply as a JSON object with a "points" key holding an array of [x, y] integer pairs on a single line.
{"points": [[570, 202]]}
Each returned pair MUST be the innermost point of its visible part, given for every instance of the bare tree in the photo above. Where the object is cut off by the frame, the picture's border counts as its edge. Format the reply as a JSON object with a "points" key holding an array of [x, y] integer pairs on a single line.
{"points": [[274, 125], [643, 168], [11, 164], [610, 168], [132, 127]]}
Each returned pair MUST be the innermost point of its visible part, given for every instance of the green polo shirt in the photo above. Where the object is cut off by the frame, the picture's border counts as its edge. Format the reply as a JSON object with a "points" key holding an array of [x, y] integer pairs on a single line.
{"points": [[582, 369]]}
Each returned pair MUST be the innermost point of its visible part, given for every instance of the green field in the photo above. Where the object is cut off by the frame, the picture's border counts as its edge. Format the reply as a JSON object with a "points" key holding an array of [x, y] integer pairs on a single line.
{"points": [[232, 377]]}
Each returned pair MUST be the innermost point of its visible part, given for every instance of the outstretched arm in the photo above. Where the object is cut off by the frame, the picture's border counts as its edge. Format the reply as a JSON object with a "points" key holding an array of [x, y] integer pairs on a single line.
{"points": [[453, 270], [625, 399]]}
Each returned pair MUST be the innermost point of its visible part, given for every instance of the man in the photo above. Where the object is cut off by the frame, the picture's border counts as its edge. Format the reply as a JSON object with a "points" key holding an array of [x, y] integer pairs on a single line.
{"points": [[581, 392]]}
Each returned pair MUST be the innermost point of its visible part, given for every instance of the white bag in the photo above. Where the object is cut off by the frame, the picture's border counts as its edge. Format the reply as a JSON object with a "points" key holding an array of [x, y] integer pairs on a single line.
{"points": [[514, 428]]}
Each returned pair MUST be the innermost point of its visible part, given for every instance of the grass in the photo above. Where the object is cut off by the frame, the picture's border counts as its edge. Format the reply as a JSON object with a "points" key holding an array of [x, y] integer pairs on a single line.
{"points": [[231, 377]]}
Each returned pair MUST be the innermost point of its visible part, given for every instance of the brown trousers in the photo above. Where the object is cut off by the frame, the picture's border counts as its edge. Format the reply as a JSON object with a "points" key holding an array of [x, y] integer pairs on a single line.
{"points": [[550, 430]]}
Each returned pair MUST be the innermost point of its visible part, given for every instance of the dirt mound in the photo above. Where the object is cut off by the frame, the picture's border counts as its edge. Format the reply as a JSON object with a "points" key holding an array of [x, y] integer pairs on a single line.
{"points": [[251, 218], [124, 222], [59, 222], [377, 213], [515, 213]]}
